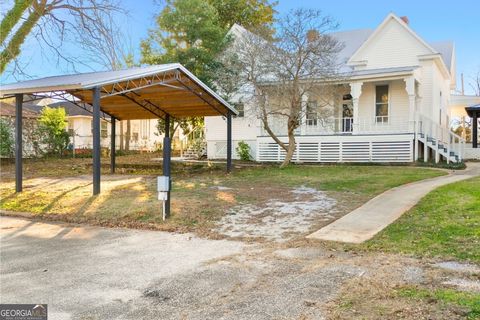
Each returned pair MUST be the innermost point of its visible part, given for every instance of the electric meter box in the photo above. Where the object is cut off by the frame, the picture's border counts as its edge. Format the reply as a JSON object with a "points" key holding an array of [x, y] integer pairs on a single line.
{"points": [[163, 184]]}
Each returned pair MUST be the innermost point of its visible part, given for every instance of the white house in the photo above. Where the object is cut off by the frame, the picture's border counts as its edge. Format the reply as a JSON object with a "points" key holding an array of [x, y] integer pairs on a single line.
{"points": [[393, 105], [143, 133]]}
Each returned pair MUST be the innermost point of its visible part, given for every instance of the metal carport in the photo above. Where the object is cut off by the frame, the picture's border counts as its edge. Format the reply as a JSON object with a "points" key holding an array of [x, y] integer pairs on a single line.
{"points": [[161, 91]]}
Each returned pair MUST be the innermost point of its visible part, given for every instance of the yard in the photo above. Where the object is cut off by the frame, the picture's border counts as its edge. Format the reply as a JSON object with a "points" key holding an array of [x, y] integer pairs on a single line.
{"points": [[409, 271], [441, 230], [246, 204]]}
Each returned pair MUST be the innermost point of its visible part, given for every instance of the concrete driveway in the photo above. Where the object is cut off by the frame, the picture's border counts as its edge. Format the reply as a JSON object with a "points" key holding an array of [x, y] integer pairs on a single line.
{"points": [[93, 272], [98, 273]]}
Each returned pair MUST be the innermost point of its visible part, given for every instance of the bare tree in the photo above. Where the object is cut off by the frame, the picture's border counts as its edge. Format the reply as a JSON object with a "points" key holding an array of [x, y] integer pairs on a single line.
{"points": [[51, 22], [113, 52], [298, 62], [475, 84]]}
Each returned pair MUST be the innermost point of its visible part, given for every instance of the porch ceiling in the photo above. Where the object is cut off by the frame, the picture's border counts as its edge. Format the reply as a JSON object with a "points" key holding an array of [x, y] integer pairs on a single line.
{"points": [[138, 93]]}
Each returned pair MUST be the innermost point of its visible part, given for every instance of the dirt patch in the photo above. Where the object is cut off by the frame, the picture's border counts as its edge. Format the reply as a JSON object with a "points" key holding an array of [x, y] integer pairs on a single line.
{"points": [[396, 287], [279, 219]]}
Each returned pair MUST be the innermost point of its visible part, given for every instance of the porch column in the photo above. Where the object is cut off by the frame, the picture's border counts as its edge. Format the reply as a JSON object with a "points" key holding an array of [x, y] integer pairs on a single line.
{"points": [[303, 115], [412, 98], [475, 129], [18, 143], [96, 140], [112, 145], [356, 92]]}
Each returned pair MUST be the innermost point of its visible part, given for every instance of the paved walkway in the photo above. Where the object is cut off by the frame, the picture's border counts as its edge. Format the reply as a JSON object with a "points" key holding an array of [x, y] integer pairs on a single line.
{"points": [[366, 221]]}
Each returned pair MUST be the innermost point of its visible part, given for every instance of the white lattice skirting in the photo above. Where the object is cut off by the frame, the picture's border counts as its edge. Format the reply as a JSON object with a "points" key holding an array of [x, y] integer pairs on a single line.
{"points": [[367, 148]]}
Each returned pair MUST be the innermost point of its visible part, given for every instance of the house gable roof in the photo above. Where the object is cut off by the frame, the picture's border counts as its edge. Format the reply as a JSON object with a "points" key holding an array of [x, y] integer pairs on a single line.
{"points": [[71, 109], [391, 17], [355, 40]]}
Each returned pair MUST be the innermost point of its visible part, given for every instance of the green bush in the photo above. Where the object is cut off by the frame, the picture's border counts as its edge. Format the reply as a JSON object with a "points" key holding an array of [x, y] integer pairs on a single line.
{"points": [[6, 139], [243, 151], [51, 130]]}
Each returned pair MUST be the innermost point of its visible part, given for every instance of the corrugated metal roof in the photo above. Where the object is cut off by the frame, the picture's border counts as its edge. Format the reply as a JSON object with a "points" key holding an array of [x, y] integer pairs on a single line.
{"points": [[86, 81], [471, 109]]}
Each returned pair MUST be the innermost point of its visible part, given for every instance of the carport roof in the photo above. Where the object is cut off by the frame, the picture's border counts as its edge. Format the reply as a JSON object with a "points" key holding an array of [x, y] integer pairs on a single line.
{"points": [[136, 93], [470, 110]]}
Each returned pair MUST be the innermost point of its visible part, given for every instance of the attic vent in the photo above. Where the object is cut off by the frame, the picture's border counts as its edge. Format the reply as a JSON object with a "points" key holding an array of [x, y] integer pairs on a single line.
{"points": [[405, 19]]}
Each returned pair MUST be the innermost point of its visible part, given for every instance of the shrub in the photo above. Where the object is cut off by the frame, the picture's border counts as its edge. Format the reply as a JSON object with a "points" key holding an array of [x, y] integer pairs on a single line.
{"points": [[6, 139], [51, 130], [243, 151]]}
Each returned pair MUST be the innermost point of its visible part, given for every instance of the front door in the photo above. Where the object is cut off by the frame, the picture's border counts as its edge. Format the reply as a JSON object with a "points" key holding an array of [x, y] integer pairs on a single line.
{"points": [[347, 117]]}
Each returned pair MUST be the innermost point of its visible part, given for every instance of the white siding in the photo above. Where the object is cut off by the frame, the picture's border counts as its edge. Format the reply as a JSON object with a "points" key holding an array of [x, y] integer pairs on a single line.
{"points": [[393, 46], [399, 105]]}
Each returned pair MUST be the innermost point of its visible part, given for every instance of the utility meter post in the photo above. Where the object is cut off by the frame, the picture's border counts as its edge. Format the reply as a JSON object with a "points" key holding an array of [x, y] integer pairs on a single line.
{"points": [[166, 164]]}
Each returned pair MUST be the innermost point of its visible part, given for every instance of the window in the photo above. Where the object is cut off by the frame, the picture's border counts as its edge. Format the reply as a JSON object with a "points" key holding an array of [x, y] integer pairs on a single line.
{"points": [[312, 118], [71, 127], [381, 104], [135, 136], [241, 109], [103, 129]]}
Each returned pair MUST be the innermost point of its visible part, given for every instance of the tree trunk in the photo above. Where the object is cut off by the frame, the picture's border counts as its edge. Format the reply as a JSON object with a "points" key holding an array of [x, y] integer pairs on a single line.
{"points": [[127, 136], [12, 17], [12, 49], [291, 147], [121, 136]]}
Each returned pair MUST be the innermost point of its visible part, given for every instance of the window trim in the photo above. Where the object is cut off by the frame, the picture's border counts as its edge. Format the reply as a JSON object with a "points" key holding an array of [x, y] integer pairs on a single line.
{"points": [[389, 103], [241, 114], [311, 121]]}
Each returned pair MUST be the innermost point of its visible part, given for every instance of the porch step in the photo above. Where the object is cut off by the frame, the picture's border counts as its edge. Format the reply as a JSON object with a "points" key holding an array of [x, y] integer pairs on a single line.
{"points": [[442, 147]]}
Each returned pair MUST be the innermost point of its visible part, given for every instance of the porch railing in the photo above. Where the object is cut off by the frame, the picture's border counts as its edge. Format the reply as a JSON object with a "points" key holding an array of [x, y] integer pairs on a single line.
{"points": [[345, 125], [442, 136]]}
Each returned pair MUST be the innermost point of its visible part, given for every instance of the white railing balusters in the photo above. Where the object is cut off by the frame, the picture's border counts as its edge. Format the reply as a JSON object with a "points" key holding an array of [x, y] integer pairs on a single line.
{"points": [[442, 135]]}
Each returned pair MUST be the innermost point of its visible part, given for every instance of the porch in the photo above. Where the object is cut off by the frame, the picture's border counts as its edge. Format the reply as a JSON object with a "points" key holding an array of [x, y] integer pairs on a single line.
{"points": [[383, 103]]}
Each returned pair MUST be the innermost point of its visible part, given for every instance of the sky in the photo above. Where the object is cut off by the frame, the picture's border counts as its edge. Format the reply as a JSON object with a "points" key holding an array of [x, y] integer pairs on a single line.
{"points": [[433, 20]]}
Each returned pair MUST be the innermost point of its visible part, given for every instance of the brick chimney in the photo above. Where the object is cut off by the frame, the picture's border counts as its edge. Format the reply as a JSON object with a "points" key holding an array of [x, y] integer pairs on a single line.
{"points": [[312, 35], [405, 19]]}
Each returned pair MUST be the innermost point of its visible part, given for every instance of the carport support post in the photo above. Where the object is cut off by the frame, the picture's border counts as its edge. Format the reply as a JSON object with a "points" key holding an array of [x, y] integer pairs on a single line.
{"points": [[229, 142], [18, 142], [112, 145], [475, 129], [166, 162], [96, 140]]}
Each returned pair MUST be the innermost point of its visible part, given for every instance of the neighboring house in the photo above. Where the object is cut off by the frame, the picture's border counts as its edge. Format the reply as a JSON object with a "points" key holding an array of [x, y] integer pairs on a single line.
{"points": [[143, 133], [7, 113], [393, 106]]}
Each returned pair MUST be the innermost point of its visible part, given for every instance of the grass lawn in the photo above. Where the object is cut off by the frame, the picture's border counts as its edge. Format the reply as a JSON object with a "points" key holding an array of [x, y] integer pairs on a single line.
{"points": [[200, 196], [446, 223], [470, 301]]}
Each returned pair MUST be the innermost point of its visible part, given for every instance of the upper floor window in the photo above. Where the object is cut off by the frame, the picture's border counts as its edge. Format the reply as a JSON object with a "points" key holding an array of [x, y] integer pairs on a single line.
{"points": [[311, 116], [241, 109], [381, 104]]}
